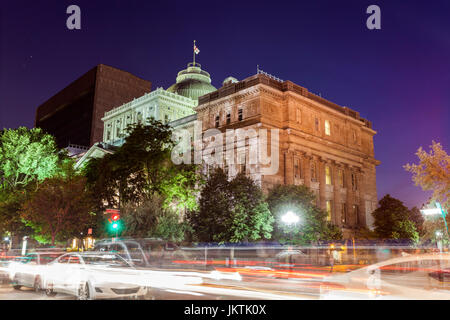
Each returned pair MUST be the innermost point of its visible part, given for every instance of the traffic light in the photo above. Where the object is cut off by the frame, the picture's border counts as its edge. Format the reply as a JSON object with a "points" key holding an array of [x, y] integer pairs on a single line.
{"points": [[114, 222]]}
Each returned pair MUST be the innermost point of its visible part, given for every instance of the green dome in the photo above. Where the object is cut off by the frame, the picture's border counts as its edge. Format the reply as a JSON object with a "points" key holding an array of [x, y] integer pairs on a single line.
{"points": [[192, 82]]}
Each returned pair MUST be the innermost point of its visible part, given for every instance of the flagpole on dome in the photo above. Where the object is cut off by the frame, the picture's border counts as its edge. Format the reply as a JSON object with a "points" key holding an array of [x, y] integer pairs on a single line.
{"points": [[194, 53]]}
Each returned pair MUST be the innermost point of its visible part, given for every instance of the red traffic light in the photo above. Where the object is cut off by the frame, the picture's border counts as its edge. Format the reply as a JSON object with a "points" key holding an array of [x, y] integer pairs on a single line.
{"points": [[115, 217]]}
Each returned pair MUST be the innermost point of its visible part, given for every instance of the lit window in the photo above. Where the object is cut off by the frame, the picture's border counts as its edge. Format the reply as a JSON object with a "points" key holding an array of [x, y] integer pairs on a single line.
{"points": [[328, 206], [327, 127], [327, 175]]}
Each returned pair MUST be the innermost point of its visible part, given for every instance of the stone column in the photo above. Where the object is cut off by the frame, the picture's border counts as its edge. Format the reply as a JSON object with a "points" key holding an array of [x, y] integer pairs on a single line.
{"points": [[362, 200], [288, 167]]}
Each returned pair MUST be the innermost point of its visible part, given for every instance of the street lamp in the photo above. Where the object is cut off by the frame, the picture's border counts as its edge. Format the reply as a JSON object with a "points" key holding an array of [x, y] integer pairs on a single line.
{"points": [[290, 218], [437, 210]]}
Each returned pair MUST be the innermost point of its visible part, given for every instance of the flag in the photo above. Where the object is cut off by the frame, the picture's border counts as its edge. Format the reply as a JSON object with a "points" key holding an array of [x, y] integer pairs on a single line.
{"points": [[196, 50]]}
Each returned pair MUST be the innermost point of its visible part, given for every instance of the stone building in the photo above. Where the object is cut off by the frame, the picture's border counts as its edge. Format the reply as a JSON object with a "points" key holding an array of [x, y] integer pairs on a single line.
{"points": [[322, 145], [167, 106]]}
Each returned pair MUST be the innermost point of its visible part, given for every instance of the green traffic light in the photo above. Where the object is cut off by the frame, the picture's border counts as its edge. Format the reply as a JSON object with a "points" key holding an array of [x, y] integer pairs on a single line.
{"points": [[115, 226]]}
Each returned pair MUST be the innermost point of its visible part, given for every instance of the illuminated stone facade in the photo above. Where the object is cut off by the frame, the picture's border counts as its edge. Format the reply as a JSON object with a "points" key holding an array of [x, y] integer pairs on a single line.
{"points": [[324, 146]]}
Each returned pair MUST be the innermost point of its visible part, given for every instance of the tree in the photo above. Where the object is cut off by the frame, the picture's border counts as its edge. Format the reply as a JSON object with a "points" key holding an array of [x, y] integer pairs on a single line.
{"points": [[231, 211], [142, 167], [151, 219], [433, 173], [60, 208], [26, 155], [140, 220], [300, 200], [251, 218], [169, 227], [392, 220], [417, 218]]}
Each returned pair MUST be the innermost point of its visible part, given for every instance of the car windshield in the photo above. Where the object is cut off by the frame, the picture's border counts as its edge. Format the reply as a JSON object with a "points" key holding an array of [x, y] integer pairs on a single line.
{"points": [[107, 260]]}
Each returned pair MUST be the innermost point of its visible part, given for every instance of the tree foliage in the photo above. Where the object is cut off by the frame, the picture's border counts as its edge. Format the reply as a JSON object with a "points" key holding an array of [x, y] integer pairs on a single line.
{"points": [[142, 167], [392, 220], [300, 200], [231, 211], [26, 155], [60, 207], [433, 172], [151, 219]]}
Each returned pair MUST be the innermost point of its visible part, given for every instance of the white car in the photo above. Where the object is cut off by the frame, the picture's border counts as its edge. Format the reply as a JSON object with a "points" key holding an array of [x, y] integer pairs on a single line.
{"points": [[416, 277], [93, 275], [26, 271]]}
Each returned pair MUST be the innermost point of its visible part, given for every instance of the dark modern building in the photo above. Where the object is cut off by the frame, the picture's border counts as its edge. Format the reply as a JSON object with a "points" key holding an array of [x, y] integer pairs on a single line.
{"points": [[74, 114]]}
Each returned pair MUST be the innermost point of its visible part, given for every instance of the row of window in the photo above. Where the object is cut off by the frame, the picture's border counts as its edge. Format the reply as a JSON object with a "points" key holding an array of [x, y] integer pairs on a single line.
{"points": [[327, 125], [298, 173], [345, 218], [228, 118]]}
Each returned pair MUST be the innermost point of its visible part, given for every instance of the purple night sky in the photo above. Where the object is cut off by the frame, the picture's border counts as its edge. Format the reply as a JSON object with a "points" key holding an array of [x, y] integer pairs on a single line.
{"points": [[397, 77]]}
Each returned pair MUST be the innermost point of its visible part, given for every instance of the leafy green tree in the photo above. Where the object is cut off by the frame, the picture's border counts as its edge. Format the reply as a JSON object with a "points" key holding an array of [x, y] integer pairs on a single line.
{"points": [[170, 227], [142, 167], [231, 211], [300, 200], [417, 218], [209, 222], [26, 155], [140, 220], [60, 208], [392, 220], [151, 219]]}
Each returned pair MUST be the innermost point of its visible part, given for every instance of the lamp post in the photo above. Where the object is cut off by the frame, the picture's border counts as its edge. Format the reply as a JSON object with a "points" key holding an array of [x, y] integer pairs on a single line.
{"points": [[290, 218], [443, 213], [437, 210]]}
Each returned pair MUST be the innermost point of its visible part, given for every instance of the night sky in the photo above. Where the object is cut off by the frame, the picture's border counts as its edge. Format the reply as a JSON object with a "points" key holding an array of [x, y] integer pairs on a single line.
{"points": [[397, 77]]}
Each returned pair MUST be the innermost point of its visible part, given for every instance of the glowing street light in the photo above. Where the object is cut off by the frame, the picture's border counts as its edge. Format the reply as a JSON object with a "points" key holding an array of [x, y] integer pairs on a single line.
{"points": [[437, 210], [290, 218]]}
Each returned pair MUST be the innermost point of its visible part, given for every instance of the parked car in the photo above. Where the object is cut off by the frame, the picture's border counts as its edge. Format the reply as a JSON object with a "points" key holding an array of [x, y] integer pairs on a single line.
{"points": [[425, 276], [26, 271], [93, 275], [130, 250]]}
